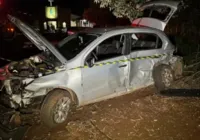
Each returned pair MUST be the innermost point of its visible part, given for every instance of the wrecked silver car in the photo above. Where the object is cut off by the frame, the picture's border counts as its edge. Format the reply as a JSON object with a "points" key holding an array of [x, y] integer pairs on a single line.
{"points": [[84, 68]]}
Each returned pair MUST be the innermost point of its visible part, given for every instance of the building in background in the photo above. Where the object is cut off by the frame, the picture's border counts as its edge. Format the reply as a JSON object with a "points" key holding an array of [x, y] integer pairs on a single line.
{"points": [[45, 17], [56, 18], [60, 19], [78, 21]]}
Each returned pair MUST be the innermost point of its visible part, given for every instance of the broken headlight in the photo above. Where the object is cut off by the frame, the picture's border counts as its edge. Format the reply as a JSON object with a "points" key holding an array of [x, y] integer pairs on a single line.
{"points": [[13, 86]]}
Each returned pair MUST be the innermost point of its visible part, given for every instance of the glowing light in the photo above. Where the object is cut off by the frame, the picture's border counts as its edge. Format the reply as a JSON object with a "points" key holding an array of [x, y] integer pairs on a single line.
{"points": [[52, 23], [51, 12], [12, 30], [45, 25], [64, 25]]}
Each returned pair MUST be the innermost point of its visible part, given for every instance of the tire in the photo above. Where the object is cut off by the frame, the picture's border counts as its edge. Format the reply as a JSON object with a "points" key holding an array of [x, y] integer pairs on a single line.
{"points": [[159, 77], [56, 108]]}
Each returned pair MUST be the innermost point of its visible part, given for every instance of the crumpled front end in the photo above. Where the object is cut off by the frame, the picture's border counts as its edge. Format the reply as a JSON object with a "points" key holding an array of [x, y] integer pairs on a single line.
{"points": [[22, 105], [12, 92], [18, 75]]}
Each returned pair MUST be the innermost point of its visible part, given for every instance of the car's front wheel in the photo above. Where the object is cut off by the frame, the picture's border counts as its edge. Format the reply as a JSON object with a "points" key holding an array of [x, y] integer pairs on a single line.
{"points": [[163, 76], [56, 108]]}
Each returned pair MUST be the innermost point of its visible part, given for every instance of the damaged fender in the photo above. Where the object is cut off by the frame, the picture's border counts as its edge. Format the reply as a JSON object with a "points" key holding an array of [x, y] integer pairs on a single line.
{"points": [[42, 85]]}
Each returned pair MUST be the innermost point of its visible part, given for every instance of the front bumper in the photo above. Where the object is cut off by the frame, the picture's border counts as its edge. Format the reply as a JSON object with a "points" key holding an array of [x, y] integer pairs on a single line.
{"points": [[12, 116]]}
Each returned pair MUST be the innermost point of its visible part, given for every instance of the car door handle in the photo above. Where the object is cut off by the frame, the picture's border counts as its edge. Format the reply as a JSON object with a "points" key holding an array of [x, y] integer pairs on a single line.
{"points": [[122, 66]]}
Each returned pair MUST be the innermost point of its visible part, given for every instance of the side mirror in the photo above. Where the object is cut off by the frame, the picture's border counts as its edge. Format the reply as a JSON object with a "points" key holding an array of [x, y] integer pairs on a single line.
{"points": [[90, 62]]}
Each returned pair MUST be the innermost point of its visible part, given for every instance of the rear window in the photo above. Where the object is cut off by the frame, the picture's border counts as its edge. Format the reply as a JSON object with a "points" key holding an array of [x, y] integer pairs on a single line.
{"points": [[160, 12], [145, 41]]}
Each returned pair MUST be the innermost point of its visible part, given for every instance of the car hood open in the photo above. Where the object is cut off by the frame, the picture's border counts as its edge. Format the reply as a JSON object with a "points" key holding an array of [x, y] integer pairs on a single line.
{"points": [[151, 20], [38, 40]]}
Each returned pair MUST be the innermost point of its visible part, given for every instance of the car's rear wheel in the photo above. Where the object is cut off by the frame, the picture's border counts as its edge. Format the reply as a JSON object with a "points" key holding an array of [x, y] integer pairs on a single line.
{"points": [[163, 76], [178, 69], [56, 108]]}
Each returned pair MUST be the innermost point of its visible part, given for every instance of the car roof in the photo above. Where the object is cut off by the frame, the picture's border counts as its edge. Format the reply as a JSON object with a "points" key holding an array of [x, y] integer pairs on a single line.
{"points": [[101, 31], [105, 30]]}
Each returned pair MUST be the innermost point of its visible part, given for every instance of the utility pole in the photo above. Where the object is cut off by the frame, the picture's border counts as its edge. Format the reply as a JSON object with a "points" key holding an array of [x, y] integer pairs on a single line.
{"points": [[50, 1]]}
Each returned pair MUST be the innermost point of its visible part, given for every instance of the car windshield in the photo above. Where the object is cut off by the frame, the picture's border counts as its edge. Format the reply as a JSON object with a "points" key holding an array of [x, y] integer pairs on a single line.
{"points": [[74, 44]]}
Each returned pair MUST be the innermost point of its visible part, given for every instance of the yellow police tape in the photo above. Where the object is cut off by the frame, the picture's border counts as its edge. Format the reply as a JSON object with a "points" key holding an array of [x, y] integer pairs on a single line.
{"points": [[57, 69], [124, 60]]}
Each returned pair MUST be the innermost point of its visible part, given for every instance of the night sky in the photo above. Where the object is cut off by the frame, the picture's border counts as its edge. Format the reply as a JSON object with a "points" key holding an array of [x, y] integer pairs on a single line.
{"points": [[77, 6]]}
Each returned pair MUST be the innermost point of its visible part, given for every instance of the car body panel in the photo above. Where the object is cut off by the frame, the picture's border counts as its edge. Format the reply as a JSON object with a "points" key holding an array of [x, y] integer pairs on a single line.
{"points": [[66, 79], [167, 48], [141, 70], [103, 80], [153, 22]]}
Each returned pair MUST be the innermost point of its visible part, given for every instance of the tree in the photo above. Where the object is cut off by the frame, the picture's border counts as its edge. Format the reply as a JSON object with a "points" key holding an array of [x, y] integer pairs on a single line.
{"points": [[122, 8]]}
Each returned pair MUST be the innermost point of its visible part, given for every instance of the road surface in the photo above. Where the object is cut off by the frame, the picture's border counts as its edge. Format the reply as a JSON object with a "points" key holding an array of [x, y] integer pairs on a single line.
{"points": [[141, 115]]}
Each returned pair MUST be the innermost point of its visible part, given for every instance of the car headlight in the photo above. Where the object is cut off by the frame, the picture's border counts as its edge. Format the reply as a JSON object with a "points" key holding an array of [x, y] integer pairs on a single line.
{"points": [[13, 86]]}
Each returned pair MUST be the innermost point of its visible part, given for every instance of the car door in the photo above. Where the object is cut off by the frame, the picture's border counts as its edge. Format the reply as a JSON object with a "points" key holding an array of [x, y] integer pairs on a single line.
{"points": [[146, 50], [108, 74], [156, 14]]}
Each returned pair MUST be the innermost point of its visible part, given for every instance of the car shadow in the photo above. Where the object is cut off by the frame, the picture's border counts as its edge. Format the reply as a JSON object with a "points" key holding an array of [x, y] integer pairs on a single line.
{"points": [[181, 92]]}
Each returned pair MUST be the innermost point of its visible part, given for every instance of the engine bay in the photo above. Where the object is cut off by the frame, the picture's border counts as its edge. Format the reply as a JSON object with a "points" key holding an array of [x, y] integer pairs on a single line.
{"points": [[33, 67]]}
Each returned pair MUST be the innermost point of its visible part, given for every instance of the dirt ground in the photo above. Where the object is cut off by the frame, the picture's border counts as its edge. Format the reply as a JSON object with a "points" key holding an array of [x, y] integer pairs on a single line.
{"points": [[141, 115]]}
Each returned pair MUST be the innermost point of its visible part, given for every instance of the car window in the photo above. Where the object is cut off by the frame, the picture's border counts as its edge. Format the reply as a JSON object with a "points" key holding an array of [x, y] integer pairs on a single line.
{"points": [[145, 41], [70, 48], [158, 12], [110, 48]]}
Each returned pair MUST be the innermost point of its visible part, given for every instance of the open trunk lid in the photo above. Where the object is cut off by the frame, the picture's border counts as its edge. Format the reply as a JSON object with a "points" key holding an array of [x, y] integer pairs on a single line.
{"points": [[156, 14]]}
